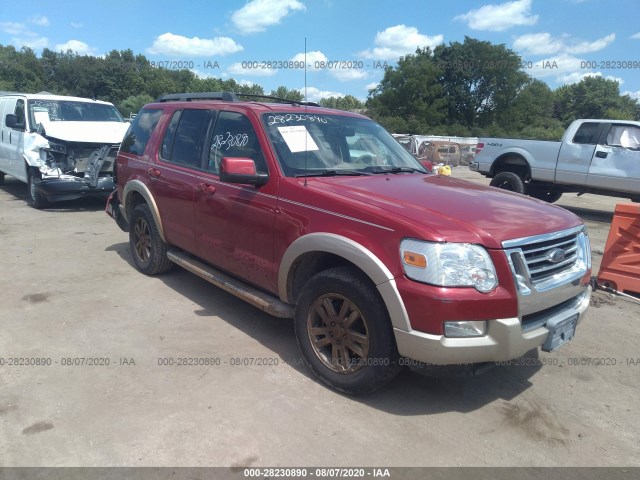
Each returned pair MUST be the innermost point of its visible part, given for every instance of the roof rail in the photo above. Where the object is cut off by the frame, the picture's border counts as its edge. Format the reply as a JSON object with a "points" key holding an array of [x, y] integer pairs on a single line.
{"points": [[285, 100], [189, 97], [227, 97]]}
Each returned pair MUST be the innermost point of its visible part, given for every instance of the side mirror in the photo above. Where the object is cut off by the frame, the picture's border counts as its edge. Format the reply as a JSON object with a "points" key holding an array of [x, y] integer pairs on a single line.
{"points": [[241, 170], [11, 121]]}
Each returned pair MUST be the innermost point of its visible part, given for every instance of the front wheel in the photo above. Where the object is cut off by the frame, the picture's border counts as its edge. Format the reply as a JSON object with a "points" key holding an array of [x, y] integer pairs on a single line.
{"points": [[345, 333], [508, 181], [147, 248], [35, 199]]}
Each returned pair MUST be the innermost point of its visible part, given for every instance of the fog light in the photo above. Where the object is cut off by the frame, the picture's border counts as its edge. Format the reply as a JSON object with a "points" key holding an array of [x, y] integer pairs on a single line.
{"points": [[469, 328]]}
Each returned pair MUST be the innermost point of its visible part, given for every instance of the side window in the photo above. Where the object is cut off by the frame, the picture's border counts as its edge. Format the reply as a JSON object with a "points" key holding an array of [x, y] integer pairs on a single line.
{"points": [[140, 130], [19, 112], [627, 136], [186, 146], [234, 136], [169, 135], [587, 133]]}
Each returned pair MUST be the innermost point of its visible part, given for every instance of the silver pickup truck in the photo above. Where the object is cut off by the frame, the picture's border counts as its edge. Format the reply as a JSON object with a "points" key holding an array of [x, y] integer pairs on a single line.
{"points": [[594, 156]]}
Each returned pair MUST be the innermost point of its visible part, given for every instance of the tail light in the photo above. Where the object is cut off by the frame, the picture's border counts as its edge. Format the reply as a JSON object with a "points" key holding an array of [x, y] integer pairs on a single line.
{"points": [[479, 148]]}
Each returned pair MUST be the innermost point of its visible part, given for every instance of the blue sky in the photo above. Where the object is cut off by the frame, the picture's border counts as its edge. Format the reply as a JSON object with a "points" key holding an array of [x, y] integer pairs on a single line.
{"points": [[572, 38]]}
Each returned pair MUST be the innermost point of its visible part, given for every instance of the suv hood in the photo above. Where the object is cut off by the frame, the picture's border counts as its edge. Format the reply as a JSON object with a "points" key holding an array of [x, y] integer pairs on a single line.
{"points": [[457, 210], [87, 132]]}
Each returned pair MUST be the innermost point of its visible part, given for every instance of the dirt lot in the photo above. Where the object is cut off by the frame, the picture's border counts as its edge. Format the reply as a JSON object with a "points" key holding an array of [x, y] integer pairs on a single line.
{"points": [[69, 291]]}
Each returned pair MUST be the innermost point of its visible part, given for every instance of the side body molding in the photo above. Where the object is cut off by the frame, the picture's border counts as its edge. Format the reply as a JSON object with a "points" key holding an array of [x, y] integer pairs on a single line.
{"points": [[126, 206], [355, 253]]}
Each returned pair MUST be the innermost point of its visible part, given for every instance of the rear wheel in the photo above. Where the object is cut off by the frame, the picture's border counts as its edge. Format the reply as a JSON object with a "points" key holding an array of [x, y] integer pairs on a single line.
{"points": [[508, 181], [35, 199], [344, 332], [544, 194], [147, 248]]}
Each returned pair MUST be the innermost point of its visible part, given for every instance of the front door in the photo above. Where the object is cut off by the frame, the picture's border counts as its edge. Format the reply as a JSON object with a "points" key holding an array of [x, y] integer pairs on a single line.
{"points": [[234, 223]]}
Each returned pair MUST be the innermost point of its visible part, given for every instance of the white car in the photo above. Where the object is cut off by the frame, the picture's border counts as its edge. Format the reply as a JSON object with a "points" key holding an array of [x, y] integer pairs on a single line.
{"points": [[62, 147]]}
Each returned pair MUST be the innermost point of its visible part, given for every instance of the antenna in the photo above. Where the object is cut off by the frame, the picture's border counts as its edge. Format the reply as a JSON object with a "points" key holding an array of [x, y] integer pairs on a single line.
{"points": [[306, 150]]}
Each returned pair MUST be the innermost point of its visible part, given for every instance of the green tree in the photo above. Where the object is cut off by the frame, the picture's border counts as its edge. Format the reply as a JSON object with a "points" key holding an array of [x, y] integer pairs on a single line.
{"points": [[133, 103], [348, 103], [480, 80], [410, 92], [287, 94]]}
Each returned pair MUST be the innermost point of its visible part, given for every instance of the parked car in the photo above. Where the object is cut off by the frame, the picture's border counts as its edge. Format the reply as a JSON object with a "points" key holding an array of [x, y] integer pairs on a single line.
{"points": [[594, 156], [320, 215], [62, 147]]}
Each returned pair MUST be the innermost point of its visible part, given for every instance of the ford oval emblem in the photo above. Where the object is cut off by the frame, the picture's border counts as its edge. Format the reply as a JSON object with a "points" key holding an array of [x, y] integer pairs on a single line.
{"points": [[556, 255]]}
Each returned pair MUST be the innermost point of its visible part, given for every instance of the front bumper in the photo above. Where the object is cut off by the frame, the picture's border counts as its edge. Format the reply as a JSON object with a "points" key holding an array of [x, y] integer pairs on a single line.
{"points": [[505, 339], [56, 189]]}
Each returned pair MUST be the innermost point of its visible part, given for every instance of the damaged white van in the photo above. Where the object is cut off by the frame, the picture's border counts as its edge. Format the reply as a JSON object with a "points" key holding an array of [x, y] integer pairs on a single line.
{"points": [[62, 147]]}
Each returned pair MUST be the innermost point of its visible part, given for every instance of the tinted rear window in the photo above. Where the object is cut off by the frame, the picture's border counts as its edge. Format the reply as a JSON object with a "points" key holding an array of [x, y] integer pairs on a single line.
{"points": [[140, 130]]}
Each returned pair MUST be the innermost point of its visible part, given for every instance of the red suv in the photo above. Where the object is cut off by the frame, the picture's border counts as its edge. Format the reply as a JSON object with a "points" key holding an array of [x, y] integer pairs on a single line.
{"points": [[321, 215]]}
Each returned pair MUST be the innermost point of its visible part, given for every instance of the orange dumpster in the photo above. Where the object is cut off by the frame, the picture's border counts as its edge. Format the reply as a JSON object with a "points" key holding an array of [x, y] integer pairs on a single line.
{"points": [[620, 268]]}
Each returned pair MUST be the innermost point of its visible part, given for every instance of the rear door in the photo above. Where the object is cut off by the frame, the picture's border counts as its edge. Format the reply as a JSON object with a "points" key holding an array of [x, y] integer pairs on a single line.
{"points": [[173, 179], [616, 160]]}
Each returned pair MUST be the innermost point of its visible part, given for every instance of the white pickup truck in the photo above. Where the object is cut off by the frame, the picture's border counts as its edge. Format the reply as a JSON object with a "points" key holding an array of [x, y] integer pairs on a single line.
{"points": [[594, 156]]}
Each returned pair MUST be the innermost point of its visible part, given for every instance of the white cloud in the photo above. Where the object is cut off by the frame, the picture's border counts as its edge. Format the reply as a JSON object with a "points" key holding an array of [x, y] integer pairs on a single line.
{"points": [[497, 18], [634, 95], [399, 40], [257, 15], [178, 45], [372, 85], [314, 59], [22, 36], [566, 69], [349, 74], [40, 20], [315, 94], [240, 69], [635, 36], [77, 24], [76, 46], [577, 77], [546, 44]]}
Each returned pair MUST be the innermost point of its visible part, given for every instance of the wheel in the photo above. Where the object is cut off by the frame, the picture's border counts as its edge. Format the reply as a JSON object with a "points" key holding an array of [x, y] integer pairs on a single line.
{"points": [[345, 333], [147, 248], [508, 181], [546, 195], [36, 200]]}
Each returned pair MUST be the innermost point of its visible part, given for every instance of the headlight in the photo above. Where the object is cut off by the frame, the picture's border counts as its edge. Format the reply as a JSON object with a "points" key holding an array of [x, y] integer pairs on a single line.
{"points": [[448, 264], [584, 248]]}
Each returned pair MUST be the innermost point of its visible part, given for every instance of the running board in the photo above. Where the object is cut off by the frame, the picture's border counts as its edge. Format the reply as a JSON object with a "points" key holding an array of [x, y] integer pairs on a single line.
{"points": [[252, 295]]}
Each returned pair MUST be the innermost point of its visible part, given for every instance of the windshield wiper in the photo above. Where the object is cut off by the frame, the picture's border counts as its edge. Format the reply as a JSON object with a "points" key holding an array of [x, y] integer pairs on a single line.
{"points": [[333, 173], [378, 170]]}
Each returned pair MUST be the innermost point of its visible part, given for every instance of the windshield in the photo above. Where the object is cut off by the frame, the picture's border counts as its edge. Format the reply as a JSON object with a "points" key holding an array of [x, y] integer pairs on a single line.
{"points": [[308, 144], [69, 111]]}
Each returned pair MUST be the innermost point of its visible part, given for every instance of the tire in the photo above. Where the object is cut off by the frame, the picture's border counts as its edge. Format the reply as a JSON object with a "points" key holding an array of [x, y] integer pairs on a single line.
{"points": [[148, 250], [35, 199], [546, 195], [1, 178], [508, 181], [368, 358]]}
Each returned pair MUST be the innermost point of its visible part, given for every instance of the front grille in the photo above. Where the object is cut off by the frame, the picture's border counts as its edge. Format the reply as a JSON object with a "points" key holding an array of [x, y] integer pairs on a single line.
{"points": [[540, 260]]}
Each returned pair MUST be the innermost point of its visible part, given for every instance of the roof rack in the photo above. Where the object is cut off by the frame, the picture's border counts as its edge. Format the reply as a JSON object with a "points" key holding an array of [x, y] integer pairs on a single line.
{"points": [[285, 100], [226, 97], [189, 97]]}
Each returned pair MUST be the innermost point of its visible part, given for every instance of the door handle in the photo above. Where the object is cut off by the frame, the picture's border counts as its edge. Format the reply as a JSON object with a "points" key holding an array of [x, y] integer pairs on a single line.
{"points": [[602, 154], [154, 173], [206, 188]]}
